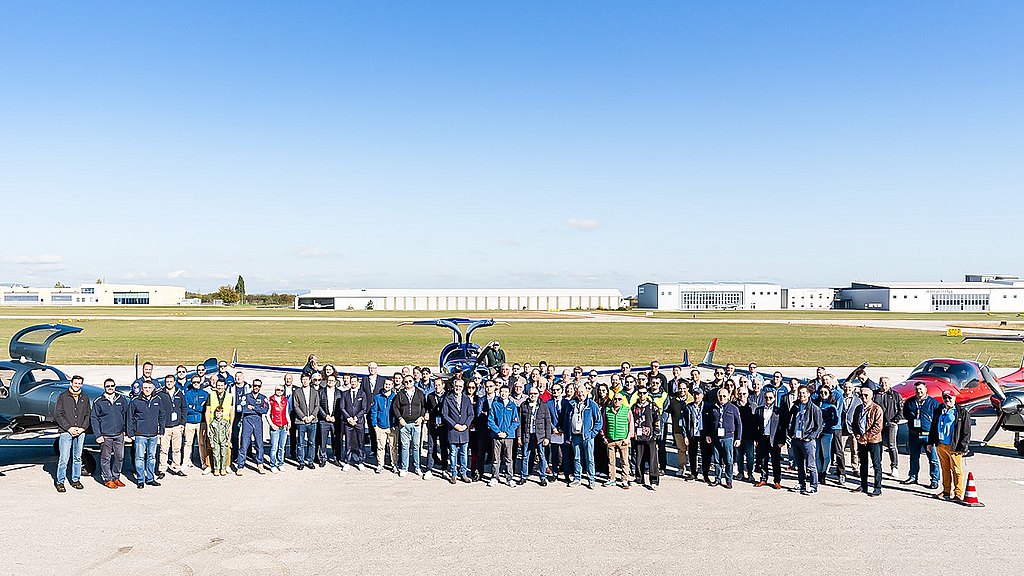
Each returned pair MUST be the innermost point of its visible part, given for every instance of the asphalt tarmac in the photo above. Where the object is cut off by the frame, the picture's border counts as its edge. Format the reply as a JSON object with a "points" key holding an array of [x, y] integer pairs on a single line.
{"points": [[331, 521]]}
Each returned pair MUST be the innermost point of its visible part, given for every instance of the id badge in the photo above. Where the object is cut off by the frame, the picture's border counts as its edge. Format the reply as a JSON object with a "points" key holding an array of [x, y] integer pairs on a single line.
{"points": [[174, 416], [917, 423], [681, 425], [437, 421], [721, 432]]}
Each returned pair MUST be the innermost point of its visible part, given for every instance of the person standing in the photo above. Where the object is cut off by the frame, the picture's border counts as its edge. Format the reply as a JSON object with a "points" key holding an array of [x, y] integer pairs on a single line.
{"points": [[71, 413], [278, 422], [254, 407], [851, 400], [145, 425], [918, 411], [693, 425], [744, 454], [646, 432], [409, 409], [173, 400], [239, 388], [582, 421], [381, 422], [673, 416], [771, 439], [494, 356], [868, 421], [722, 429], [951, 434], [329, 421], [437, 432], [353, 414], [223, 403], [618, 430], [482, 446], [825, 399], [535, 432], [892, 412], [147, 374], [458, 413], [805, 426], [109, 415], [503, 421], [305, 413], [195, 429]]}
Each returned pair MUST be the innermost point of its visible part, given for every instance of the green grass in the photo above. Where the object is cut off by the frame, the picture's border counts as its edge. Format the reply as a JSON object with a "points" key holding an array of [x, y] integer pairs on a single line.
{"points": [[172, 341]]}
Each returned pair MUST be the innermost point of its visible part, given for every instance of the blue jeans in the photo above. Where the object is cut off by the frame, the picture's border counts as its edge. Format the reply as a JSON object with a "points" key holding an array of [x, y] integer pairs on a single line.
{"points": [[744, 456], [824, 454], [145, 458], [806, 463], [529, 446], [305, 449], [252, 434], [70, 450], [915, 445], [582, 447], [409, 436], [278, 440], [724, 450], [457, 455]]}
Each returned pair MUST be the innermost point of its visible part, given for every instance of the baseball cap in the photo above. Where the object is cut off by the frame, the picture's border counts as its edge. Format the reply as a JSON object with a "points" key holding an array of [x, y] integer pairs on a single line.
{"points": [[948, 394]]}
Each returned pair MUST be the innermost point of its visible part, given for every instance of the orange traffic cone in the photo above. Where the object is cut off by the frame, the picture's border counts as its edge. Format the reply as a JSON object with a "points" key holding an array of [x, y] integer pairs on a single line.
{"points": [[971, 496]]}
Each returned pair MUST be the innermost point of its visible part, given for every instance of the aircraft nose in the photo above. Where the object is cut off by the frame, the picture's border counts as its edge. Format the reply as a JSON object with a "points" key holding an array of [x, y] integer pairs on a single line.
{"points": [[1012, 405]]}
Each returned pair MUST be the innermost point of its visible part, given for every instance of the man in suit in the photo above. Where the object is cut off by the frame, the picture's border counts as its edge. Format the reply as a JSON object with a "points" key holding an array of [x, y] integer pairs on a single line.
{"points": [[437, 433], [329, 421], [354, 408], [770, 438], [804, 427], [458, 413], [305, 413]]}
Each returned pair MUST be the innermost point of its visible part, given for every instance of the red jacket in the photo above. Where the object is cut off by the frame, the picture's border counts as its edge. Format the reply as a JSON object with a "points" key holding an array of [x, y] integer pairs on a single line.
{"points": [[278, 413]]}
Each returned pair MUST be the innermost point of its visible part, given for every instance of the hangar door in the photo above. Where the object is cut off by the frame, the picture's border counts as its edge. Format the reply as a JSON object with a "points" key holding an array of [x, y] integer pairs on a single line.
{"points": [[960, 303]]}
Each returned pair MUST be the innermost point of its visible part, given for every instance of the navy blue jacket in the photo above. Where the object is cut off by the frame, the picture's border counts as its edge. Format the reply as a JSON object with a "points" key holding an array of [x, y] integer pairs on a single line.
{"points": [[255, 405], [353, 407], [109, 418], [503, 417], [912, 410], [457, 410], [812, 424], [174, 408], [145, 417], [726, 416]]}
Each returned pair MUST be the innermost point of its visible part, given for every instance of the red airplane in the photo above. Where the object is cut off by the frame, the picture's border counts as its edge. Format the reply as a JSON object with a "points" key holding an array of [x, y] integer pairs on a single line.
{"points": [[969, 380]]}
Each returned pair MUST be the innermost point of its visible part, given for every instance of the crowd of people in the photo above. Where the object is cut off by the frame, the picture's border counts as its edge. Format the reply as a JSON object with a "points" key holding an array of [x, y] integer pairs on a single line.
{"points": [[518, 421]]}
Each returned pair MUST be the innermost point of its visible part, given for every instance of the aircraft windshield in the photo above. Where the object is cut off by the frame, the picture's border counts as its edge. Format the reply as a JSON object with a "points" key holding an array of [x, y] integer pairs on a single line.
{"points": [[959, 374]]}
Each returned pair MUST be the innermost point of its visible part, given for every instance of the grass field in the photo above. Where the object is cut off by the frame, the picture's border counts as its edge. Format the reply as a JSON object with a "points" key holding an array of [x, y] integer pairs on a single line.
{"points": [[169, 342]]}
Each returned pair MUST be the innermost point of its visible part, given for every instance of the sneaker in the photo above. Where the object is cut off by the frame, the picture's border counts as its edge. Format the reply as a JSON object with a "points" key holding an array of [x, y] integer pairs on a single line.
{"points": [[875, 493], [467, 479], [76, 485], [511, 484], [426, 475], [520, 482], [492, 482], [728, 485], [543, 481], [451, 479], [574, 483], [933, 486], [140, 485], [60, 488], [273, 470], [610, 483], [401, 473], [342, 466], [238, 472], [910, 480], [377, 470], [207, 471], [625, 485], [590, 485], [259, 469]]}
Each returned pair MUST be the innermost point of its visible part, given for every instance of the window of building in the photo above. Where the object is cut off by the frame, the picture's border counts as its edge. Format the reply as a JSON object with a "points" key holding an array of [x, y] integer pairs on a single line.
{"points": [[88, 290], [60, 298], [21, 297], [710, 300], [131, 298]]}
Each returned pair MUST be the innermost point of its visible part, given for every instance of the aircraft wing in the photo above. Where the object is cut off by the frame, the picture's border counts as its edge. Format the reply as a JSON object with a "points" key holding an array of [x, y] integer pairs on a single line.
{"points": [[279, 369], [684, 364]]}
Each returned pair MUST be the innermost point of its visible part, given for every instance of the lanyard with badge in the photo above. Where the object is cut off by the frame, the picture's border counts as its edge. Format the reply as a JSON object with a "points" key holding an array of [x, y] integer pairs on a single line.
{"points": [[917, 421], [721, 422]]}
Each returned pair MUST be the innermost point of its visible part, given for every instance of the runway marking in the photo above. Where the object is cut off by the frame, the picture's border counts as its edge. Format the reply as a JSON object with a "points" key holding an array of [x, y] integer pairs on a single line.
{"points": [[1020, 482]]}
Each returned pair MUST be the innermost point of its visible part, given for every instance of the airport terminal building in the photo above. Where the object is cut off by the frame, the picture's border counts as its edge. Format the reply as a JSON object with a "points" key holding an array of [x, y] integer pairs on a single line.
{"points": [[709, 296], [977, 294], [101, 294], [461, 299]]}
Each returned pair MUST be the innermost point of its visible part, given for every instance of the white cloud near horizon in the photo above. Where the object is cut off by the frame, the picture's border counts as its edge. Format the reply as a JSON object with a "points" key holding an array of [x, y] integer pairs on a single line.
{"points": [[584, 224]]}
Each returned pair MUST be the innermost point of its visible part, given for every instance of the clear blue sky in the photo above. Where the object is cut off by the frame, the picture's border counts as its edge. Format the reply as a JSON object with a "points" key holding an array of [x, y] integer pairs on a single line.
{"points": [[510, 145]]}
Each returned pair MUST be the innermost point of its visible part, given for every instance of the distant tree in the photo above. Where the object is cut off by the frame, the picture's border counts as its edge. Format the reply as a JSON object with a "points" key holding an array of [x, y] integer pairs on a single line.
{"points": [[226, 293], [60, 285], [99, 280], [240, 288]]}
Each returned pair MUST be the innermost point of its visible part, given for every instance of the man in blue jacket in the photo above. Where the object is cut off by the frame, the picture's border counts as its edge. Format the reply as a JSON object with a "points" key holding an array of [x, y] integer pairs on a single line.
{"points": [[918, 412], [383, 431], [582, 421], [458, 414], [109, 415], [723, 429], [254, 407], [503, 421], [195, 428], [805, 426], [145, 425], [175, 412]]}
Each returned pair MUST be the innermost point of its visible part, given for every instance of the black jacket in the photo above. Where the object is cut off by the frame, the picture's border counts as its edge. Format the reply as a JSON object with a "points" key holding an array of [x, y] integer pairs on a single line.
{"points": [[750, 426], [813, 424], [435, 407], [960, 440], [892, 406], [675, 407], [776, 429], [408, 409], [543, 425], [71, 413]]}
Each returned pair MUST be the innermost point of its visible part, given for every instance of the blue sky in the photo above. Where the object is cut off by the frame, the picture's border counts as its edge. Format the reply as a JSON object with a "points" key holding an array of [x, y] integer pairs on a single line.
{"points": [[469, 144]]}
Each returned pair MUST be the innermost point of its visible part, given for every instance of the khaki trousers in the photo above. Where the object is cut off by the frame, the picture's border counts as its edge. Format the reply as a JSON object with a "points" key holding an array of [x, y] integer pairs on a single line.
{"points": [[620, 447], [385, 439], [197, 433], [170, 448], [952, 466]]}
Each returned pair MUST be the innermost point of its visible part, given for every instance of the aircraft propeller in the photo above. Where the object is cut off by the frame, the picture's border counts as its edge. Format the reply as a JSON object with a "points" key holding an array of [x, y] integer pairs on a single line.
{"points": [[1006, 405]]}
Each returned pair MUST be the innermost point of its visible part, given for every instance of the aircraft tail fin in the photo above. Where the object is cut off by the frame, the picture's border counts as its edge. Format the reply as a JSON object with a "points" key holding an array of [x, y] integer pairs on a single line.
{"points": [[710, 356], [234, 356], [686, 357]]}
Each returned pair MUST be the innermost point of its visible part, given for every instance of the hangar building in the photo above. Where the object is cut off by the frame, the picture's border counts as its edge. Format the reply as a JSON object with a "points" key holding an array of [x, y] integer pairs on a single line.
{"points": [[102, 294], [461, 299], [978, 294], [709, 296]]}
